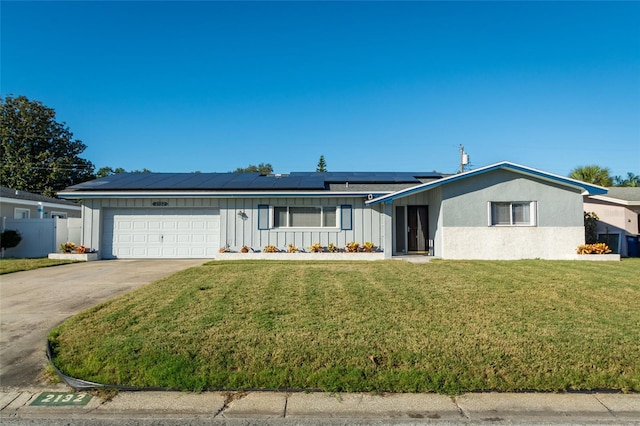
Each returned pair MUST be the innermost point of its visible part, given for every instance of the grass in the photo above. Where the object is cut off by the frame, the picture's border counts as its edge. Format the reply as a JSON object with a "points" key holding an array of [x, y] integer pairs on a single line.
{"points": [[445, 326], [8, 266]]}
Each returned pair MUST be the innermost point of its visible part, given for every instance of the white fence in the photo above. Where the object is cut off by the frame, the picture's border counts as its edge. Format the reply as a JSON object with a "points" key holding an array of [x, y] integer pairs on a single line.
{"points": [[42, 236]]}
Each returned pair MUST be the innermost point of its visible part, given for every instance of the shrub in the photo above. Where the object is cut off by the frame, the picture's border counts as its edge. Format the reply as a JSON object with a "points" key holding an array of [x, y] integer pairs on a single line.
{"points": [[590, 232], [352, 247], [333, 248], [316, 248], [292, 249], [244, 249], [597, 248], [270, 249], [68, 247], [9, 238], [368, 247]]}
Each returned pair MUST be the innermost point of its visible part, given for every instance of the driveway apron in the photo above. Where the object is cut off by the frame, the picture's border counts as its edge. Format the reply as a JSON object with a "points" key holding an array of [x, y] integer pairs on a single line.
{"points": [[34, 302]]}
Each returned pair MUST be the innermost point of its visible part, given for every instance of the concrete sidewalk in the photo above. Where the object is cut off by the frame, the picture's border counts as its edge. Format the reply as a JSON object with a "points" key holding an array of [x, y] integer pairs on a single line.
{"points": [[324, 408]]}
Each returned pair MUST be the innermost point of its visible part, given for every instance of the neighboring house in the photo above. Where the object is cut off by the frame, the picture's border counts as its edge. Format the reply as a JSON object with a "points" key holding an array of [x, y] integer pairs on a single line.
{"points": [[619, 218], [15, 204], [43, 222], [501, 211]]}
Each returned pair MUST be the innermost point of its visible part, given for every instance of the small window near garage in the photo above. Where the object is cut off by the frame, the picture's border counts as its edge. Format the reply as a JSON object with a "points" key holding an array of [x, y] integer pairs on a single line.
{"points": [[512, 213], [19, 213], [263, 216], [58, 215], [346, 217]]}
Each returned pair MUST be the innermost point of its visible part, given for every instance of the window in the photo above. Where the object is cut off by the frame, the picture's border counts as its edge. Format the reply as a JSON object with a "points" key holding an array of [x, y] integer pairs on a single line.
{"points": [[19, 213], [263, 216], [512, 214], [59, 215], [346, 217], [304, 217]]}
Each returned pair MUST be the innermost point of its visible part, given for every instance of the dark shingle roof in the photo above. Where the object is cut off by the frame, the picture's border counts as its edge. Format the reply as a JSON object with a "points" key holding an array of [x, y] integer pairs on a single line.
{"points": [[246, 181], [30, 196]]}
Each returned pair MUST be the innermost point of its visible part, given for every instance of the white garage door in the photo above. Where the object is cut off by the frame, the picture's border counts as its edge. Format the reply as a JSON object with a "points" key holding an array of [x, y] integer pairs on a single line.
{"points": [[160, 233]]}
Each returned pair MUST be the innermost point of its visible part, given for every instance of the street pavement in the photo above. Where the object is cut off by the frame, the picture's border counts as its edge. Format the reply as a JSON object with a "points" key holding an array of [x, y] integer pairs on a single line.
{"points": [[33, 302]]}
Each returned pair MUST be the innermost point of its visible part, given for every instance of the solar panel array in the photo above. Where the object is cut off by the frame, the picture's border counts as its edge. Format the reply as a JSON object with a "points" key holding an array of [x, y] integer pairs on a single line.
{"points": [[242, 181]]}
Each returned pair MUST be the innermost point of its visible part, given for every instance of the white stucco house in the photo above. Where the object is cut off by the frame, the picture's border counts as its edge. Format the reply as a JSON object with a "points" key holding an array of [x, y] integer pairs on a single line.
{"points": [[619, 218], [501, 211]]}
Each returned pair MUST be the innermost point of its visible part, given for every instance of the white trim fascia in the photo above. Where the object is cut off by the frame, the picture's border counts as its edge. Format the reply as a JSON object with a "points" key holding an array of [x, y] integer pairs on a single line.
{"points": [[210, 194], [615, 200], [4, 200]]}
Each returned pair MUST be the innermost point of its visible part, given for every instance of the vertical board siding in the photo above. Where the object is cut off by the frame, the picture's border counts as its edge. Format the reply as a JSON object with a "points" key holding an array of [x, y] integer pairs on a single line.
{"points": [[368, 223]]}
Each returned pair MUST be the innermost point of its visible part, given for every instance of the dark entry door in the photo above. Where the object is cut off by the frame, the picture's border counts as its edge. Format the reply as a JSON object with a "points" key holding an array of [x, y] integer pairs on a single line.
{"points": [[417, 228]]}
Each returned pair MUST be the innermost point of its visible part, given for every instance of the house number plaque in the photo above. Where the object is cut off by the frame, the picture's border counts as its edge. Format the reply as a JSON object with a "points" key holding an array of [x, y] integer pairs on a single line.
{"points": [[62, 398], [160, 204]]}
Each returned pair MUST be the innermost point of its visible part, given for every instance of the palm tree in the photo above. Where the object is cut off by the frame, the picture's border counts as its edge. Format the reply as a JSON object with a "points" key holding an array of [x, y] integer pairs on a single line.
{"points": [[592, 174], [631, 180]]}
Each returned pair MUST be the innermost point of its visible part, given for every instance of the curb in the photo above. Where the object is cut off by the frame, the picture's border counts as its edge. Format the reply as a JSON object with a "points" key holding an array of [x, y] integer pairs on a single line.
{"points": [[324, 408]]}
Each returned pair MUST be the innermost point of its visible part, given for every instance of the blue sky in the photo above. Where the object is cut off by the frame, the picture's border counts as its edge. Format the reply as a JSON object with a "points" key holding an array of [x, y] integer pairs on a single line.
{"points": [[372, 86]]}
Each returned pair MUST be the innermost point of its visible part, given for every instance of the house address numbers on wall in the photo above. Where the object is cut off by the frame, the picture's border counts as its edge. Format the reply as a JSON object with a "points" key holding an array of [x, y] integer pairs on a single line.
{"points": [[160, 204]]}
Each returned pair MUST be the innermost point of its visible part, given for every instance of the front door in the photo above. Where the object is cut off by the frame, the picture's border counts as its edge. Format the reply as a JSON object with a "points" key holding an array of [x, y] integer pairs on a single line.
{"points": [[417, 229]]}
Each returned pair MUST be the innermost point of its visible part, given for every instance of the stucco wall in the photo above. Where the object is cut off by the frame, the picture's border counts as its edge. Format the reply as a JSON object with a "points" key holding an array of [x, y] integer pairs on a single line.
{"points": [[466, 234], [613, 216], [614, 219], [508, 243], [465, 202]]}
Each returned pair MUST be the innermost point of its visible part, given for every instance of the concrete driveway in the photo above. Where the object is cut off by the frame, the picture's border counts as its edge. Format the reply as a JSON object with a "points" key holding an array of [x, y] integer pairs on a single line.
{"points": [[34, 302]]}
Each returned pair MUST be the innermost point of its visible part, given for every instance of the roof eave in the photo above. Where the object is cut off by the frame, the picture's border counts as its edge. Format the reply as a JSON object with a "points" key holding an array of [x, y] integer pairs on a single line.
{"points": [[613, 200], [8, 200], [214, 194]]}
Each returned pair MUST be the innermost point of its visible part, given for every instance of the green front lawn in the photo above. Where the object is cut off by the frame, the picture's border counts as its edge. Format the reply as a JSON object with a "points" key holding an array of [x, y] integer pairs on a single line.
{"points": [[445, 326], [14, 265]]}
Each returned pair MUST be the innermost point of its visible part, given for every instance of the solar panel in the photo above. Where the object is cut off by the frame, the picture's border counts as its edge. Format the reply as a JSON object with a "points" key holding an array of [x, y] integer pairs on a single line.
{"points": [[245, 181]]}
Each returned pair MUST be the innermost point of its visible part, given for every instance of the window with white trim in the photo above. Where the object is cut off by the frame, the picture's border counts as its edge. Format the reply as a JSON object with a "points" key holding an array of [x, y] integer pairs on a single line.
{"points": [[19, 213], [304, 217], [521, 213], [59, 215]]}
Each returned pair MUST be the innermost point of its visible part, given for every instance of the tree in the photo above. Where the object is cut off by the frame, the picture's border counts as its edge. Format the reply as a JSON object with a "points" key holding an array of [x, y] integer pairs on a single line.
{"points": [[262, 168], [322, 165], [631, 180], [592, 174], [108, 171], [39, 154]]}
